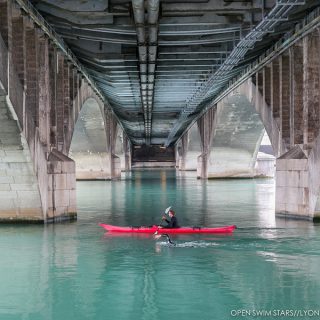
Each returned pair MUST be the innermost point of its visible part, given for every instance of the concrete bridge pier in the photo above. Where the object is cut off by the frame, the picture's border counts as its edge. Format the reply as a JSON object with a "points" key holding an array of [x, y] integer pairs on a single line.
{"points": [[182, 150], [19, 192], [286, 94], [206, 127], [226, 140], [36, 185], [297, 172], [42, 92], [113, 159], [38, 181], [189, 149], [127, 153]]}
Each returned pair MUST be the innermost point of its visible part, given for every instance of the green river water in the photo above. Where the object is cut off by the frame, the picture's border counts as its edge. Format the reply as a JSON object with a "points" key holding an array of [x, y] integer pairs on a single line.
{"points": [[75, 271]]}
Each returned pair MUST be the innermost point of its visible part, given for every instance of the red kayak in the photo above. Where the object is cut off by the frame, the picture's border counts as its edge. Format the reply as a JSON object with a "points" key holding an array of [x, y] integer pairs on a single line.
{"points": [[154, 228]]}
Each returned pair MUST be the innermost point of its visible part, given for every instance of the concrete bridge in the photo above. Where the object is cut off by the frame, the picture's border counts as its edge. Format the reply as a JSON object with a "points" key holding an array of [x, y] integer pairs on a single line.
{"points": [[285, 94], [51, 115], [83, 84]]}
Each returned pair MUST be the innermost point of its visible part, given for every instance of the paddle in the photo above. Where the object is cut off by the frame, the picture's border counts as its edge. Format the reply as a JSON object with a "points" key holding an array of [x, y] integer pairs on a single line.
{"points": [[156, 236], [166, 212]]}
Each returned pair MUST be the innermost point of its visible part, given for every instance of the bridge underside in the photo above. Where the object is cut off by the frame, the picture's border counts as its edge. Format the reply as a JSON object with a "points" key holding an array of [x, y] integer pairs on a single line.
{"points": [[160, 63], [132, 77]]}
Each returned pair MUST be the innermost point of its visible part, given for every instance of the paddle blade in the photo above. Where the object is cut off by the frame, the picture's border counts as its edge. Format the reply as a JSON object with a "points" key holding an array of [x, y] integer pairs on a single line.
{"points": [[157, 236], [168, 209]]}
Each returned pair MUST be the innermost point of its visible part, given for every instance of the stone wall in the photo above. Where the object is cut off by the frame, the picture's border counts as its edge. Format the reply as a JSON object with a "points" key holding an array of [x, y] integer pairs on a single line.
{"points": [[19, 192]]}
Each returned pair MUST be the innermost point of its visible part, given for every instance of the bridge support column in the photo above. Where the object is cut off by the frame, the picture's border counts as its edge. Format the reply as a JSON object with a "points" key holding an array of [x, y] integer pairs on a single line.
{"points": [[40, 99], [297, 179], [297, 184], [127, 153], [182, 151], [58, 177], [292, 185], [62, 203], [6, 21], [112, 159], [206, 129], [290, 85], [37, 183], [298, 174], [19, 193]]}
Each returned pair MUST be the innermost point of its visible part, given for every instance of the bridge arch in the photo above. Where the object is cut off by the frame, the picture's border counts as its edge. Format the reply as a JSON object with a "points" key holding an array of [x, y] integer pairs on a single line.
{"points": [[93, 145], [236, 139], [88, 147], [285, 93], [229, 143]]}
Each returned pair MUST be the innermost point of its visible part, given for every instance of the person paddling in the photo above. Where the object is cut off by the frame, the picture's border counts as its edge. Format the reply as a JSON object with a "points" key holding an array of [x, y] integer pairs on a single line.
{"points": [[173, 222]]}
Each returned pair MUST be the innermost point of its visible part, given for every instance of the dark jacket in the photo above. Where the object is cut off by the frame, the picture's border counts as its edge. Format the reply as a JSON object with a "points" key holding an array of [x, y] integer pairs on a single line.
{"points": [[172, 223]]}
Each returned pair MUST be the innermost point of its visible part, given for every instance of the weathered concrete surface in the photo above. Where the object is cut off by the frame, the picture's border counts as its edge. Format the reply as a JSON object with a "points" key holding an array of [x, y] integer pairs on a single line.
{"points": [[46, 93], [19, 192], [266, 161], [206, 125], [123, 157], [292, 184], [21, 198], [297, 183], [181, 150], [314, 180], [237, 133], [269, 117], [97, 166], [28, 85], [126, 163], [62, 204], [92, 166], [193, 149], [286, 95], [265, 166], [46, 109], [89, 145], [237, 137]]}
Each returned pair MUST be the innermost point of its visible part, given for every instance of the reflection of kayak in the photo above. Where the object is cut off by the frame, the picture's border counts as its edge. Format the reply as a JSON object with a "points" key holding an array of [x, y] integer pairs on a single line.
{"points": [[153, 229]]}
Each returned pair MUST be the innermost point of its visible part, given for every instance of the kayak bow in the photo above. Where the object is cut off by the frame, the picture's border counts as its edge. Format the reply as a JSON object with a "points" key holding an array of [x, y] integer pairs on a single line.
{"points": [[154, 228]]}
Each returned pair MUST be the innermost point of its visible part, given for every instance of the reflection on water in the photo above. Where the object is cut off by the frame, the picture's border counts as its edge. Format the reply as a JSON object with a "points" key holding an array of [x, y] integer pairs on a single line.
{"points": [[76, 271]]}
